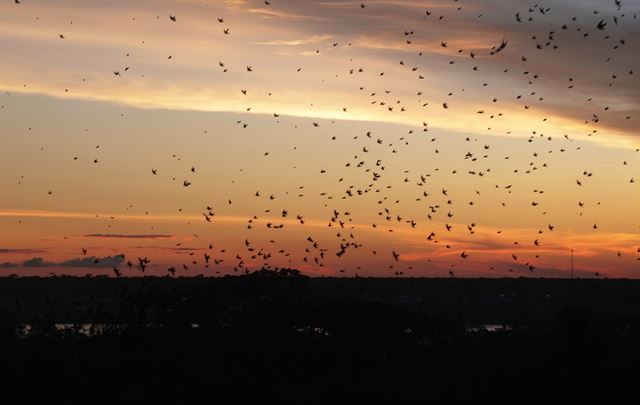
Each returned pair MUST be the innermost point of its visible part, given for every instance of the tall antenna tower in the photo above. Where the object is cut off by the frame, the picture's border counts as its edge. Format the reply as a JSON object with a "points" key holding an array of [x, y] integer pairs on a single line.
{"points": [[572, 263]]}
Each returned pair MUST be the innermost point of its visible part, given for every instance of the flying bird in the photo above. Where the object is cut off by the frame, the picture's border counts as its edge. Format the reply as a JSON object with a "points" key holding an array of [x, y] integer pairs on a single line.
{"points": [[601, 25]]}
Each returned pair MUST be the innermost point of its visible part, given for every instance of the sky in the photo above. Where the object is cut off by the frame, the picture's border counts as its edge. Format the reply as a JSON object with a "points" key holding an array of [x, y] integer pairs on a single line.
{"points": [[378, 138]]}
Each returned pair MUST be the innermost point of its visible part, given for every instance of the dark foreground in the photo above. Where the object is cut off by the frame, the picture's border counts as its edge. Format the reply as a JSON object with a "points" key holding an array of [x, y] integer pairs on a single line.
{"points": [[275, 337]]}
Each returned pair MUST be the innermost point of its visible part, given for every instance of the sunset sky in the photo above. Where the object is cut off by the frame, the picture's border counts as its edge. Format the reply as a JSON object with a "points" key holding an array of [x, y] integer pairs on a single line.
{"points": [[378, 126]]}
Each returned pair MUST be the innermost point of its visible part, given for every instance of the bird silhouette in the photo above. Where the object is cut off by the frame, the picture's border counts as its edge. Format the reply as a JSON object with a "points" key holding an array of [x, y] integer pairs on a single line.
{"points": [[494, 91]]}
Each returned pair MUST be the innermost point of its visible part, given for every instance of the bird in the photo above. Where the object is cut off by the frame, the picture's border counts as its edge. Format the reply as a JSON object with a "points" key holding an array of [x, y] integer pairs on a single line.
{"points": [[502, 46], [496, 103]]}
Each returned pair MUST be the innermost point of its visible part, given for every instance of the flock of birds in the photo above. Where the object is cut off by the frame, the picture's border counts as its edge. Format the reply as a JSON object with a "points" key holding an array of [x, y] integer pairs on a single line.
{"points": [[439, 206]]}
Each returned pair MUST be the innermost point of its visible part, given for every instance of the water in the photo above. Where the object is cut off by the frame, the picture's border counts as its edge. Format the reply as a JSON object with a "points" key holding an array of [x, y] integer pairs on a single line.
{"points": [[85, 329], [94, 329], [488, 327]]}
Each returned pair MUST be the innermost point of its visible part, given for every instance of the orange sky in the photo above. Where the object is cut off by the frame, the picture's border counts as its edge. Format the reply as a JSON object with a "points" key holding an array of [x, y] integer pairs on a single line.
{"points": [[535, 154]]}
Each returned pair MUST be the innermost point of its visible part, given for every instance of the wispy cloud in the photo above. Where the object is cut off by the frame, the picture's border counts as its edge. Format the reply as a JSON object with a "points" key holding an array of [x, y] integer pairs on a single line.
{"points": [[18, 213], [378, 42], [129, 236], [295, 42], [22, 250], [267, 13]]}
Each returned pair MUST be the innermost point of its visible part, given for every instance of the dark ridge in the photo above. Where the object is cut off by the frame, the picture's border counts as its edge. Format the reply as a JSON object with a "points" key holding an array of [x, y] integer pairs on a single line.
{"points": [[278, 336]]}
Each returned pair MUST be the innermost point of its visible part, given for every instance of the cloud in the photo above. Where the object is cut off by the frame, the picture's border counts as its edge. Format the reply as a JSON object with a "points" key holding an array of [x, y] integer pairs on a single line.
{"points": [[129, 236], [92, 261], [22, 250], [147, 218], [278, 14], [85, 262], [37, 262], [376, 33], [293, 42], [177, 249]]}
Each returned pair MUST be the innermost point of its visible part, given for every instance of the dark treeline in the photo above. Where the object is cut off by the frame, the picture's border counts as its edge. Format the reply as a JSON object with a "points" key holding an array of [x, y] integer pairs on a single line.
{"points": [[276, 336]]}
